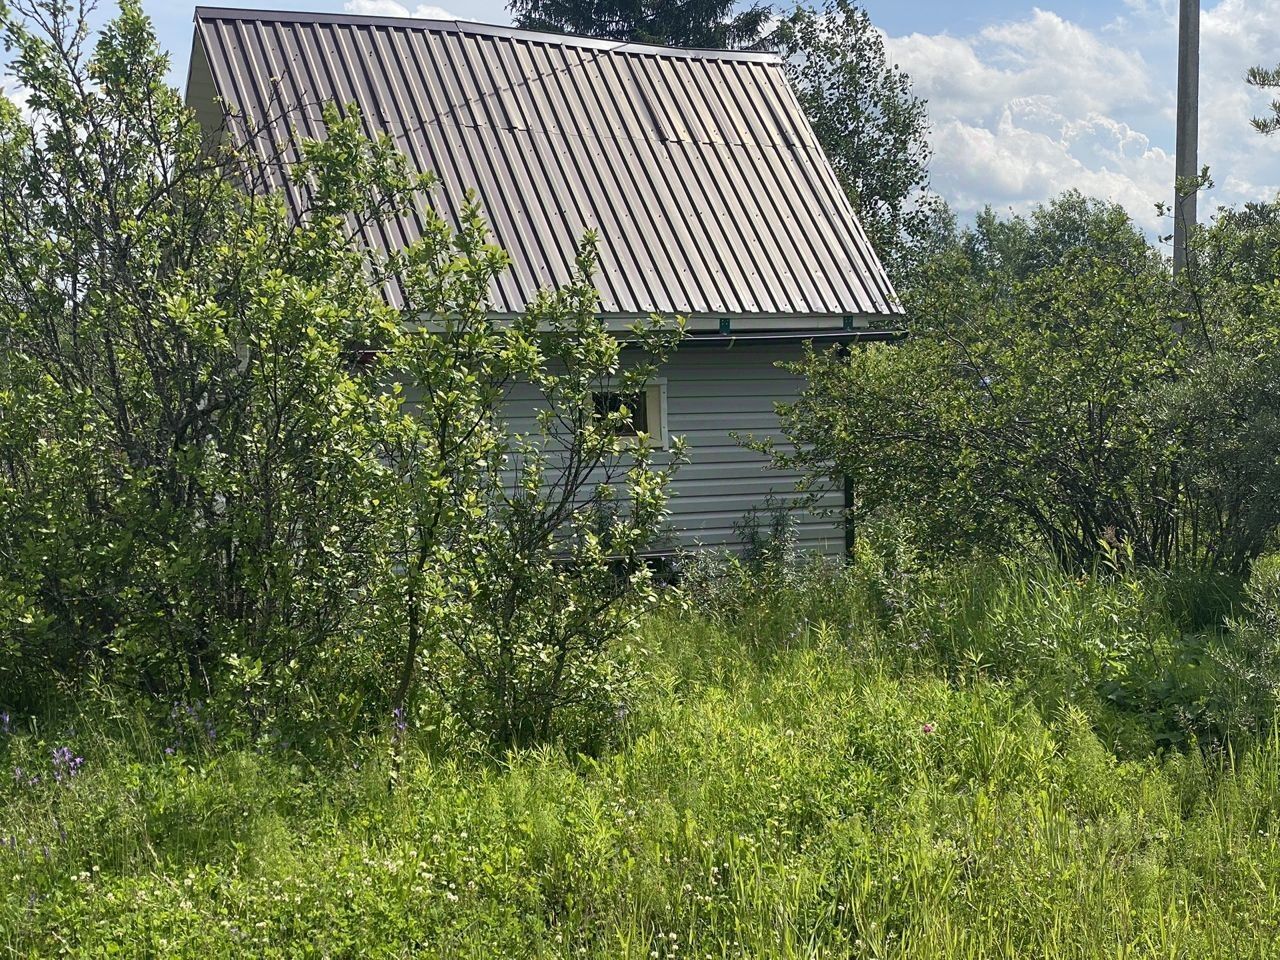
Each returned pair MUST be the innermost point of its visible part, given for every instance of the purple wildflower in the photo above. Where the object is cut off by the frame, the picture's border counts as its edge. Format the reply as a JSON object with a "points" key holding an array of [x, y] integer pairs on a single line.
{"points": [[401, 724], [4, 722], [65, 763], [928, 728]]}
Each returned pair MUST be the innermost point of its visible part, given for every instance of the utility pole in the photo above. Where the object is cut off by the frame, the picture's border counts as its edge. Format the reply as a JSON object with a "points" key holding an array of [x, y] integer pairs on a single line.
{"points": [[1187, 162]]}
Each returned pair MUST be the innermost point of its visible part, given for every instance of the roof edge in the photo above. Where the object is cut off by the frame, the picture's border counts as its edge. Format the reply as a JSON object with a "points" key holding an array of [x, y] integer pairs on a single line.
{"points": [[698, 322], [781, 338], [485, 29]]}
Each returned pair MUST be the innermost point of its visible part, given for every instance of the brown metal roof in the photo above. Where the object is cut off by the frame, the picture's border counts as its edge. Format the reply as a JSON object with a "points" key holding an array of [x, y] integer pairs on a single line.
{"points": [[698, 169]]}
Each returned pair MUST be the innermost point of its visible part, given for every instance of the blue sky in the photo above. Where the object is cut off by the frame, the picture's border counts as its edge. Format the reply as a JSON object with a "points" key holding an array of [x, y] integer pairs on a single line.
{"points": [[1025, 100]]}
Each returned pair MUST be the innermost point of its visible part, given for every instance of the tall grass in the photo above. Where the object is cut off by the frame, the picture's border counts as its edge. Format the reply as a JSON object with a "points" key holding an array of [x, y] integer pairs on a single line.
{"points": [[965, 763]]}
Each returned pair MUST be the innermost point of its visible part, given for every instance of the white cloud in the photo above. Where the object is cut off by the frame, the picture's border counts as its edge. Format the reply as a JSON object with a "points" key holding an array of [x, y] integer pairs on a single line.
{"points": [[1025, 109], [389, 8], [14, 91], [1235, 36]]}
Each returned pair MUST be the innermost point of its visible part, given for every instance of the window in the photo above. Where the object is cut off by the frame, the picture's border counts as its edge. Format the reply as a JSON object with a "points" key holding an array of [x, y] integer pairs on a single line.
{"points": [[636, 408], [645, 412], [360, 359]]}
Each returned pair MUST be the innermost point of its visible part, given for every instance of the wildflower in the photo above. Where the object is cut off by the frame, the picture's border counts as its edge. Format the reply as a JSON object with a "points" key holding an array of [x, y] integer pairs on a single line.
{"points": [[65, 763], [4, 722], [928, 728], [401, 724]]}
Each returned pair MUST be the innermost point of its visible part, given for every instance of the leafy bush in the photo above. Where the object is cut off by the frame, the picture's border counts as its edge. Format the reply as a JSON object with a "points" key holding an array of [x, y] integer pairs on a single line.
{"points": [[513, 562], [233, 471], [185, 487], [1246, 663], [1058, 393]]}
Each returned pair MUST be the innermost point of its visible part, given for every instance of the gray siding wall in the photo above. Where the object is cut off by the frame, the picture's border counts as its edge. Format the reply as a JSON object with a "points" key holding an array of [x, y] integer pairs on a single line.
{"points": [[712, 394]]}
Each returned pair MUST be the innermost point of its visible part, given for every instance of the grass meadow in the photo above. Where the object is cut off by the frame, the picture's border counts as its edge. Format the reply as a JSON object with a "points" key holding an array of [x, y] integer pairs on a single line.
{"points": [[985, 761]]}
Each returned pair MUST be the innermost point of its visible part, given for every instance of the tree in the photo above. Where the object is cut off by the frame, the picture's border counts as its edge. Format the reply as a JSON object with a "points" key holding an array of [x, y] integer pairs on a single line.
{"points": [[516, 557], [185, 479], [232, 470], [717, 24], [1046, 401], [872, 127], [1019, 248]]}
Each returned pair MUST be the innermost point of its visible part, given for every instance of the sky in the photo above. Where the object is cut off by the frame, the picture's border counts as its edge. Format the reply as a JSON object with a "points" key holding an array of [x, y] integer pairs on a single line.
{"points": [[1025, 100]]}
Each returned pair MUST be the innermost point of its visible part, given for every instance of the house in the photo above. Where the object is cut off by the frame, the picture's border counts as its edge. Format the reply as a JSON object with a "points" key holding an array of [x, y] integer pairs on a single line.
{"points": [[698, 169]]}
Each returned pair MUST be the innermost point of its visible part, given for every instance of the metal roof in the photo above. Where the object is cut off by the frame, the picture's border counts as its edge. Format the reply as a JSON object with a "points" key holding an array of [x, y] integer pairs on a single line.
{"points": [[698, 169]]}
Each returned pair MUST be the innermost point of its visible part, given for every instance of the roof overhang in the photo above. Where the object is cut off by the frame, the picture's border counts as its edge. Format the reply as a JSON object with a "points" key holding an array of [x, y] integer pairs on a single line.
{"points": [[819, 338]]}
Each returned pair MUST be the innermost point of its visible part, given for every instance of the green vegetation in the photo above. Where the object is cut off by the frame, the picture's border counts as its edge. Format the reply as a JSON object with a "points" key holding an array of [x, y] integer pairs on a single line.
{"points": [[883, 763], [304, 654], [233, 470], [1060, 393]]}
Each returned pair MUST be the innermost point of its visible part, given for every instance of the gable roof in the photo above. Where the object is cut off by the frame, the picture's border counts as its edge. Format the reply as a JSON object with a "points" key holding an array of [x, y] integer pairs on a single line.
{"points": [[698, 169]]}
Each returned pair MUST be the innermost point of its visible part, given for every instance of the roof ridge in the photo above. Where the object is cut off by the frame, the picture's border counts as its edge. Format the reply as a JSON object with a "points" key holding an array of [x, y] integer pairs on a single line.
{"points": [[485, 29]]}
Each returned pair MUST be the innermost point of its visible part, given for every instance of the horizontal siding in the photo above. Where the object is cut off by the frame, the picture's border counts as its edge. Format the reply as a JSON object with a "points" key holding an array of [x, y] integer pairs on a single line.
{"points": [[711, 395]]}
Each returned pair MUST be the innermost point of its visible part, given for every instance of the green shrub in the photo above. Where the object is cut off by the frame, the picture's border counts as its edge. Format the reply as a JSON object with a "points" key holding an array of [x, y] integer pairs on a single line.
{"points": [[1159, 661], [232, 470], [1057, 394], [1245, 662], [1129, 648]]}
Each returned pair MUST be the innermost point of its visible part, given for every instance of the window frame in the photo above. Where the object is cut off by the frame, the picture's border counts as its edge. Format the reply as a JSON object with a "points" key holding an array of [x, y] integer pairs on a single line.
{"points": [[655, 401]]}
